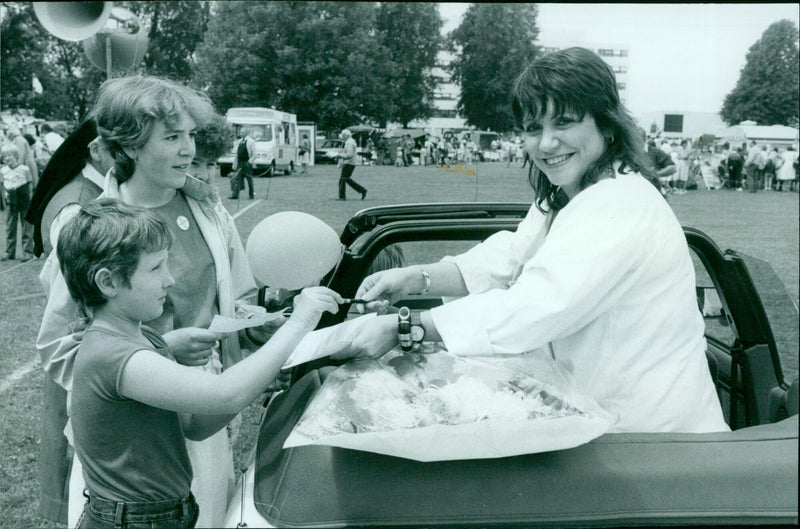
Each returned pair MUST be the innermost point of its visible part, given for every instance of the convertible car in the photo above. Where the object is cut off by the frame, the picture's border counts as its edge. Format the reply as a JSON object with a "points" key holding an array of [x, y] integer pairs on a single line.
{"points": [[745, 477]]}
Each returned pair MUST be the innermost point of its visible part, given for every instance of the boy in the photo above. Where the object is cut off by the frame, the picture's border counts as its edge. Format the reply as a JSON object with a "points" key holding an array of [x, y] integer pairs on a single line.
{"points": [[17, 181], [132, 404]]}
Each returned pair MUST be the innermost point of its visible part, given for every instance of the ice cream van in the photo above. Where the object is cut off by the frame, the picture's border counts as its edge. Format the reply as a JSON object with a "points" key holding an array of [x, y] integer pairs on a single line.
{"points": [[276, 136]]}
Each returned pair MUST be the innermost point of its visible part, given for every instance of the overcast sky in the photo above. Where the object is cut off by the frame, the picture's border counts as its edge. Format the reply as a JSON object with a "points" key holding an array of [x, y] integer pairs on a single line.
{"points": [[683, 57]]}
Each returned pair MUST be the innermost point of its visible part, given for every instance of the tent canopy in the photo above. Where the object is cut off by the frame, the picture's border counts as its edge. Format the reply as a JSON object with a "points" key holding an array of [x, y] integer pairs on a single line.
{"points": [[762, 133], [397, 133]]}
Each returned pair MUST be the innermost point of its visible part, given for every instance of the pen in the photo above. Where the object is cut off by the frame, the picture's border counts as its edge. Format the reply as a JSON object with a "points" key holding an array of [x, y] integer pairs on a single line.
{"points": [[346, 301]]}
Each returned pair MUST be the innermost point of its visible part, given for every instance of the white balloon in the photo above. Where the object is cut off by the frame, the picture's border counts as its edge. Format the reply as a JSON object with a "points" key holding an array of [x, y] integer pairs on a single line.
{"points": [[292, 250]]}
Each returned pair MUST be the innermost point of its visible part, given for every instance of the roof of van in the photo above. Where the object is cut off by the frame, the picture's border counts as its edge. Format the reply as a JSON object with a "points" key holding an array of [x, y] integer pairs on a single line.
{"points": [[257, 114]]}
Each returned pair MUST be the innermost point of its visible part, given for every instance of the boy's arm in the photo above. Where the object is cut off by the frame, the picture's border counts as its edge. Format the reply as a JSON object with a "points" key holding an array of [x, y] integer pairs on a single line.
{"points": [[160, 382], [200, 427]]}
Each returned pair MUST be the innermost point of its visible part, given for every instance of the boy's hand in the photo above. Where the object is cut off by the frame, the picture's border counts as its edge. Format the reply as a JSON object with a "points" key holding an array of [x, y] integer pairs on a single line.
{"points": [[312, 302], [261, 335], [192, 345]]}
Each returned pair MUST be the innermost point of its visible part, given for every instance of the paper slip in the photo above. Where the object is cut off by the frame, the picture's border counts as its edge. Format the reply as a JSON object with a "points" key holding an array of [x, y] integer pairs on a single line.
{"points": [[225, 324]]}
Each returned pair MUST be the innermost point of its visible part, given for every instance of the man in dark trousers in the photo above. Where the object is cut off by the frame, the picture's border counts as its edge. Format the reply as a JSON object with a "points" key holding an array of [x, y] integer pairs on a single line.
{"points": [[245, 156], [347, 160]]}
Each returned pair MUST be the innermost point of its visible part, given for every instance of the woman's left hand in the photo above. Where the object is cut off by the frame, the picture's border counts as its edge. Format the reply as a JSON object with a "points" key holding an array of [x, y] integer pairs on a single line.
{"points": [[375, 339]]}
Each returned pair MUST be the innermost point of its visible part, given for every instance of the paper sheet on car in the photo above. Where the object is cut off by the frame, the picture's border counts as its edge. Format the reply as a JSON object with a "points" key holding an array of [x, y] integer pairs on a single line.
{"points": [[327, 341], [439, 407], [226, 324]]}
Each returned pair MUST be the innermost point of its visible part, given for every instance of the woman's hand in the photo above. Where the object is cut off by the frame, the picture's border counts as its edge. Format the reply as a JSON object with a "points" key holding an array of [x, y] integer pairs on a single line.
{"points": [[192, 345], [384, 288], [312, 302], [377, 337]]}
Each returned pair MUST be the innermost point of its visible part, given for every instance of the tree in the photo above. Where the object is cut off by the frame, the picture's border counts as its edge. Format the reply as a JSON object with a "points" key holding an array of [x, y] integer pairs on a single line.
{"points": [[175, 29], [67, 79], [236, 62], [411, 32], [768, 88], [319, 60], [493, 43]]}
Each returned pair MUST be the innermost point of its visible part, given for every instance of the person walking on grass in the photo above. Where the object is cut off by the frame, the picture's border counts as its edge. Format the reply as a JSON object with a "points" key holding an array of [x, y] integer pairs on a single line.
{"points": [[347, 161]]}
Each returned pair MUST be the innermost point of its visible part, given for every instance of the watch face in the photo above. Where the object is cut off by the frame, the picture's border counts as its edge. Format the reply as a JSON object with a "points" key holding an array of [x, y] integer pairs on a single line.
{"points": [[417, 333]]}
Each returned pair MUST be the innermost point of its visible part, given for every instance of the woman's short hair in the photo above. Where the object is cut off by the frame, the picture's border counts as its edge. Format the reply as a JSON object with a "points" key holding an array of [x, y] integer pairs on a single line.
{"points": [[127, 108], [106, 233], [578, 81]]}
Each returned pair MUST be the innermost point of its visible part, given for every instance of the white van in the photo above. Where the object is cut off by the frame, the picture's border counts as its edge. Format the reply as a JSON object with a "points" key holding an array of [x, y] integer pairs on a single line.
{"points": [[276, 137]]}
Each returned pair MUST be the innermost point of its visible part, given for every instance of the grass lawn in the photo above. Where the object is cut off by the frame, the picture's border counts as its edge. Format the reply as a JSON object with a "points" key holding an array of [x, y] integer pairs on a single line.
{"points": [[764, 225]]}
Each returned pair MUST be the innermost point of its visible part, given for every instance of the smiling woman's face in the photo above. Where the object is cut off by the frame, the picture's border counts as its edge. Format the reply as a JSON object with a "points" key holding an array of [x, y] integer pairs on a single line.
{"points": [[165, 158], [564, 147]]}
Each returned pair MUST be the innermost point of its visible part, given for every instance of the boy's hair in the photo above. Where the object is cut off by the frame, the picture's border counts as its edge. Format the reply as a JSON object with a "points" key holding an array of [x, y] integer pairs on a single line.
{"points": [[213, 139], [108, 234]]}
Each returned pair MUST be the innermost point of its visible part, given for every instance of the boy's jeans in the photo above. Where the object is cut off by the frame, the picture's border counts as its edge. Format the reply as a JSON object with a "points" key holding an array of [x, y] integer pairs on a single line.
{"points": [[169, 514]]}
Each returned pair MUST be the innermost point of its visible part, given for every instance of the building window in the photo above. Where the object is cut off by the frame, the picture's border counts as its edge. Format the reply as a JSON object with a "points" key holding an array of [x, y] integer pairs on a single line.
{"points": [[550, 49], [673, 122], [623, 53], [441, 113], [620, 69], [605, 53], [620, 86]]}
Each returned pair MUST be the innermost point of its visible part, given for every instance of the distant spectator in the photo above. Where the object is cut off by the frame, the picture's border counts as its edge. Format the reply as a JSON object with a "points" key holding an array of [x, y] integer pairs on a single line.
{"points": [[408, 148], [735, 164], [305, 153], [754, 167], [787, 173], [770, 168], [25, 151], [661, 162], [16, 184], [52, 139], [681, 176], [347, 161]]}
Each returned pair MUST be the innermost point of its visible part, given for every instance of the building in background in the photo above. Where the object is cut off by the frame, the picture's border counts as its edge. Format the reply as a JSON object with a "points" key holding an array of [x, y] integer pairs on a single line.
{"points": [[445, 98], [615, 54]]}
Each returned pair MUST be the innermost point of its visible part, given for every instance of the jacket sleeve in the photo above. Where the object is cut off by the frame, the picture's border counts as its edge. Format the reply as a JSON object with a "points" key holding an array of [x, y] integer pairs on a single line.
{"points": [[497, 261], [61, 331], [580, 271]]}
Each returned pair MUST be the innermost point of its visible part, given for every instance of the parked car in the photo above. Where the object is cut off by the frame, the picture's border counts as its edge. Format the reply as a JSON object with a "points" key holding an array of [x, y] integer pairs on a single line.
{"points": [[328, 151], [748, 476]]}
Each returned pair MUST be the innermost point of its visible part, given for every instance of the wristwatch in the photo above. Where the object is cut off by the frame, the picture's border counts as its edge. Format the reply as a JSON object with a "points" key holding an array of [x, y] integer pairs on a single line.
{"points": [[417, 330], [404, 329]]}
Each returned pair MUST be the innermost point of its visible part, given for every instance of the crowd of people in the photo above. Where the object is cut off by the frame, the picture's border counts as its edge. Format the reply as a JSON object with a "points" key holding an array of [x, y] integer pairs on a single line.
{"points": [[24, 157], [758, 167], [141, 256]]}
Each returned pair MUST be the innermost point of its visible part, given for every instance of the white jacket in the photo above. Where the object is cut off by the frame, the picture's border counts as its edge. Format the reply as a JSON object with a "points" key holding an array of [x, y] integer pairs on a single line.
{"points": [[611, 288]]}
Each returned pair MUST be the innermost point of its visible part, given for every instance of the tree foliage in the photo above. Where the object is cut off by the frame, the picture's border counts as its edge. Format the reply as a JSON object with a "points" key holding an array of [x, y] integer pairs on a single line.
{"points": [[768, 90], [327, 62], [175, 29], [493, 43], [411, 32], [336, 63], [28, 50]]}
